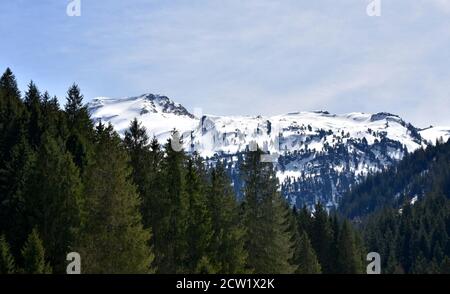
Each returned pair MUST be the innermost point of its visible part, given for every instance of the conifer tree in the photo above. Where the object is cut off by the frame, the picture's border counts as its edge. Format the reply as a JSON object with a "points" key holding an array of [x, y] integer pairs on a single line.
{"points": [[172, 246], [199, 227], [349, 258], [136, 138], [204, 267], [306, 258], [334, 250], [11, 115], [7, 265], [80, 128], [74, 103], [304, 220], [33, 103], [77, 113], [9, 91], [53, 200], [14, 178], [321, 237], [54, 121], [228, 239], [33, 254], [113, 239], [268, 240], [406, 237], [15, 160], [154, 202], [136, 142], [155, 181]]}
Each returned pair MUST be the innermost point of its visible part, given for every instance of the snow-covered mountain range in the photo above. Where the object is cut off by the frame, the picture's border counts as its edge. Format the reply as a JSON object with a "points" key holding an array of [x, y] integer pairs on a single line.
{"points": [[320, 154]]}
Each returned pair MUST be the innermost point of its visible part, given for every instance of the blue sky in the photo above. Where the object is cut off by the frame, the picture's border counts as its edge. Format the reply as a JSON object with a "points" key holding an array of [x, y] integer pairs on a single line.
{"points": [[240, 56]]}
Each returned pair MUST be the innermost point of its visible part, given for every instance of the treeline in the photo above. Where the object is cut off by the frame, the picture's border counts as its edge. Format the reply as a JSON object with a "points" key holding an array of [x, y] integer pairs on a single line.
{"points": [[417, 174], [405, 212], [133, 206], [415, 239]]}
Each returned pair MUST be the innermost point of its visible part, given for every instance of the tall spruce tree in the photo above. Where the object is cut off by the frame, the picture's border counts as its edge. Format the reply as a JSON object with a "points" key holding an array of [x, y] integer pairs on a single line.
{"points": [[54, 120], [349, 257], [113, 239], [12, 113], [334, 250], [9, 95], [304, 220], [172, 246], [15, 175], [322, 237], [268, 240], [137, 143], [53, 200], [154, 202], [33, 254], [7, 264], [305, 257], [16, 159], [80, 128], [74, 103], [199, 227], [228, 239], [33, 104]]}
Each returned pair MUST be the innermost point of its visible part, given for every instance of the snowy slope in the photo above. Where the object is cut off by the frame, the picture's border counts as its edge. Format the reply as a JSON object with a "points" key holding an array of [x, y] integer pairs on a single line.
{"points": [[231, 134], [321, 154], [297, 131], [432, 133], [158, 114]]}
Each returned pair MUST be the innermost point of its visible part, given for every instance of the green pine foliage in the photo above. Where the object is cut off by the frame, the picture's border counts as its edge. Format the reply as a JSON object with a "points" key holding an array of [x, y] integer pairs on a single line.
{"points": [[268, 235], [136, 142], [415, 240], [228, 233], [173, 247], [348, 255], [7, 264], [199, 224], [34, 257], [80, 128], [410, 237], [417, 174], [113, 239], [321, 235], [33, 104], [305, 257], [12, 112], [15, 176], [14, 152], [53, 200]]}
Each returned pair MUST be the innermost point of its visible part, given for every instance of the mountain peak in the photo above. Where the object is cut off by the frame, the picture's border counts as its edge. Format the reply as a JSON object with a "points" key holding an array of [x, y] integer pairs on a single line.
{"points": [[214, 134], [158, 113], [341, 147], [137, 106], [164, 104]]}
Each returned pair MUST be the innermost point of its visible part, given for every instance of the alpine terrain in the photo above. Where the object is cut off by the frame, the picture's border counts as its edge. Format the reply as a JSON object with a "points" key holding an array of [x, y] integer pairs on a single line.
{"points": [[319, 155]]}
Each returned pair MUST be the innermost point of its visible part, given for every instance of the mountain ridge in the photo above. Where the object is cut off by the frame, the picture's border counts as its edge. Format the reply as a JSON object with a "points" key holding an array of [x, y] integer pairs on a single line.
{"points": [[320, 155]]}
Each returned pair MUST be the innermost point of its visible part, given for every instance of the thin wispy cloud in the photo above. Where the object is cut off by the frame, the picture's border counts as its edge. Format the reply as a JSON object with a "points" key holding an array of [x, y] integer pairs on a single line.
{"points": [[241, 57]]}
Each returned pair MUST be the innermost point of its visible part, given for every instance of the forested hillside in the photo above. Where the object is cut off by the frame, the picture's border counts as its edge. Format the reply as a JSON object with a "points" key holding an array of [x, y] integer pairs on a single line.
{"points": [[418, 174], [133, 206], [404, 212]]}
